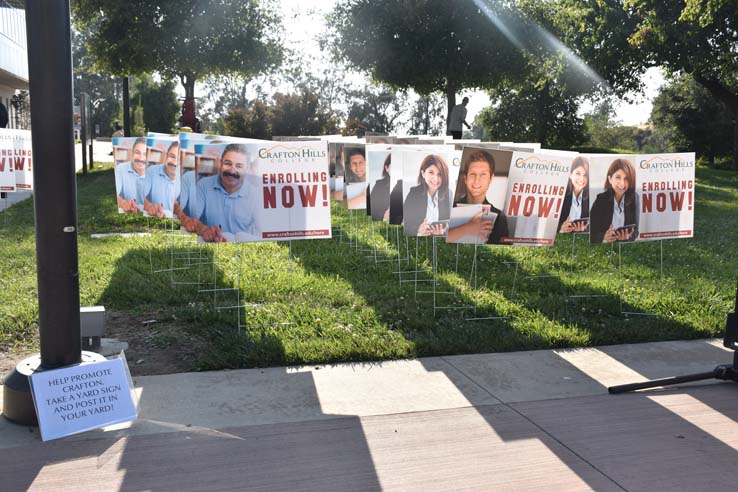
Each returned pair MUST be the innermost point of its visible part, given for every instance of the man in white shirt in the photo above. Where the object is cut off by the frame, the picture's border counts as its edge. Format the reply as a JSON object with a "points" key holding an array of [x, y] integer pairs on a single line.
{"points": [[458, 119]]}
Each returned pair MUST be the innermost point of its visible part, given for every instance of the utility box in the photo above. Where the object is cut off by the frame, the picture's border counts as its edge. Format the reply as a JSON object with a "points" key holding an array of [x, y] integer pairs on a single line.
{"points": [[92, 326]]}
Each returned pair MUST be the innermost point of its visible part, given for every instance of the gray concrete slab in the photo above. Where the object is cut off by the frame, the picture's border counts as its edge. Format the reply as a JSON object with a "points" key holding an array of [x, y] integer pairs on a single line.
{"points": [[426, 424], [685, 440], [566, 373]]}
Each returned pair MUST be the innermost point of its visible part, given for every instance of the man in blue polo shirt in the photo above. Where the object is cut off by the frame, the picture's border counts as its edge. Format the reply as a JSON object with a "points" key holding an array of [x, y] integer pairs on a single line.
{"points": [[130, 179], [228, 204], [162, 185]]}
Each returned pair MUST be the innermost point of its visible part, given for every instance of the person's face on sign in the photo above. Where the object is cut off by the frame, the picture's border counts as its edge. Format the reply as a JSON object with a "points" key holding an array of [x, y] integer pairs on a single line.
{"points": [[579, 179], [232, 169], [171, 162], [139, 158], [619, 183], [478, 178], [433, 179], [358, 166]]}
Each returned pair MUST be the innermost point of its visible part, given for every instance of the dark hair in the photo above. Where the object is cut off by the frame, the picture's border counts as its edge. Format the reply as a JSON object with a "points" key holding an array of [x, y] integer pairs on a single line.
{"points": [[387, 163], [139, 140], [627, 167], [175, 143], [621, 165], [466, 99], [479, 156], [350, 177], [434, 160], [578, 162], [234, 147]]}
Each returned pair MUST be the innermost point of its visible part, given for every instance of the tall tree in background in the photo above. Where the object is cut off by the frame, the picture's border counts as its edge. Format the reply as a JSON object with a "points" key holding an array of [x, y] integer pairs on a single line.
{"points": [[183, 39], [377, 109], [622, 38], [427, 45], [103, 89], [692, 119]]}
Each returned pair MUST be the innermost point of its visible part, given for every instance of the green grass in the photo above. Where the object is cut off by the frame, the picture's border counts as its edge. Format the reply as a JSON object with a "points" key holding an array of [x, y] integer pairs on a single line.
{"points": [[331, 303]]}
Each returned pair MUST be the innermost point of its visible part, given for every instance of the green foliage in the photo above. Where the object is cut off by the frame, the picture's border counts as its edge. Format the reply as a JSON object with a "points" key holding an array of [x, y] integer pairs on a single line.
{"points": [[160, 104], [288, 115], [430, 46], [104, 90], [692, 119], [604, 132], [252, 122], [185, 39], [622, 38], [377, 109], [547, 115]]}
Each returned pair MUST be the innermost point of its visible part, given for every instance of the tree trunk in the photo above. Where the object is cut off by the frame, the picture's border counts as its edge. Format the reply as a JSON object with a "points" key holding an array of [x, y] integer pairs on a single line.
{"points": [[730, 99], [188, 108], [735, 139], [451, 101], [126, 109]]}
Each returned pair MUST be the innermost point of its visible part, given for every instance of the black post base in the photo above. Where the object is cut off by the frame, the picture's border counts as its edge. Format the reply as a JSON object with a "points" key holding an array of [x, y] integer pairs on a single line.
{"points": [[17, 399]]}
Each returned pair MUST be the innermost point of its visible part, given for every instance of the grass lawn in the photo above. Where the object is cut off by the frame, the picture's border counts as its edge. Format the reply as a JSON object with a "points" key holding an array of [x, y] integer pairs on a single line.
{"points": [[327, 301]]}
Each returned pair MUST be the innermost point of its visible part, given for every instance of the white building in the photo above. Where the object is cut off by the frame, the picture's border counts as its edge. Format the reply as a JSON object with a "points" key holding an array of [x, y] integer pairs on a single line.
{"points": [[13, 57]]}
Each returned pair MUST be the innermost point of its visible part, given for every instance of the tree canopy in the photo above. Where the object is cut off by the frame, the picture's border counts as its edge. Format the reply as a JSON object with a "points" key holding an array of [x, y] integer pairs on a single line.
{"points": [[621, 38], [427, 45], [186, 39]]}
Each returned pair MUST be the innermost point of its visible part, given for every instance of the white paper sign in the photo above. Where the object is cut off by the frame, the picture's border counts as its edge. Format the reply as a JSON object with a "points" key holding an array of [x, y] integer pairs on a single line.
{"points": [[82, 397]]}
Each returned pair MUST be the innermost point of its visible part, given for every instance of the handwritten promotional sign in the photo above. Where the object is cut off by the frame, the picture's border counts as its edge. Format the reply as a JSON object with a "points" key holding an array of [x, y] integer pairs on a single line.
{"points": [[82, 397]]}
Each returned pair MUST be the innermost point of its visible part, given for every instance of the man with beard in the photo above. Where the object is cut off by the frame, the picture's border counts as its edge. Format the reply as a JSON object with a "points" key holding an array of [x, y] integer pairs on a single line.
{"points": [[130, 179], [162, 186], [226, 203]]}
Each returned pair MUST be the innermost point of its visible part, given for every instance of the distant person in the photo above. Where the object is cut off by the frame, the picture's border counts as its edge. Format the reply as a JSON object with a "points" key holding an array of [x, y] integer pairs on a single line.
{"points": [[477, 173], [226, 203], [162, 187], [380, 195], [458, 119], [428, 205], [576, 202], [130, 179], [117, 130], [614, 214]]}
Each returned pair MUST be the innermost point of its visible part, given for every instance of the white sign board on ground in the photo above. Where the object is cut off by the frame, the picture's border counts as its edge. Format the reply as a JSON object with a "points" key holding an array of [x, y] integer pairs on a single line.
{"points": [[82, 397]]}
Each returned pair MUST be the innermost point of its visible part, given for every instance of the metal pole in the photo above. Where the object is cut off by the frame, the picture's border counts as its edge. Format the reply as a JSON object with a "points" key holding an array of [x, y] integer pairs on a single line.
{"points": [[83, 131], [50, 82], [126, 109]]}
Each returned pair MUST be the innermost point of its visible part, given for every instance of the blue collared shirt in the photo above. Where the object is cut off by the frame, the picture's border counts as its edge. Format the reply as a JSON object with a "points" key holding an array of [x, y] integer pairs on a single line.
{"points": [[187, 195], [234, 213], [160, 190], [128, 184]]}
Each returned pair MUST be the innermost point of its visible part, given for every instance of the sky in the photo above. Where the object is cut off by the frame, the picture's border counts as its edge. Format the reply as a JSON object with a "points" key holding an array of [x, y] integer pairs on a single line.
{"points": [[303, 21]]}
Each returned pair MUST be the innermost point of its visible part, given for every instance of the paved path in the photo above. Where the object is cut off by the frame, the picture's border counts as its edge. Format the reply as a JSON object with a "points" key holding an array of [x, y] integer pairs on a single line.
{"points": [[517, 421]]}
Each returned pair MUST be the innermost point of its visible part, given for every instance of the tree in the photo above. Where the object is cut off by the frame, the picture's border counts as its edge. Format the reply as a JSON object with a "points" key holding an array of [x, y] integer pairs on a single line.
{"points": [[183, 39], [428, 45], [254, 122], [299, 114], [621, 38], [103, 89], [427, 116], [547, 115], [692, 119], [377, 109], [160, 105]]}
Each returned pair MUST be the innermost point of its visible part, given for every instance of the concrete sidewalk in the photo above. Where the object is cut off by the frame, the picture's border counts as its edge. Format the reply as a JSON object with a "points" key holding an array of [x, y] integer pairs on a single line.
{"points": [[537, 420]]}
